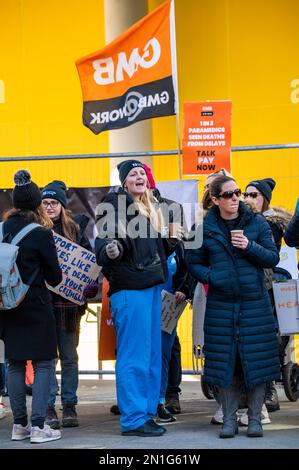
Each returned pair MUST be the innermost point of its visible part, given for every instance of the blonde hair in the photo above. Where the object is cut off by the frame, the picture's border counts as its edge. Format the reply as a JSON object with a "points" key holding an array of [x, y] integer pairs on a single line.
{"points": [[38, 216], [70, 228], [147, 205]]}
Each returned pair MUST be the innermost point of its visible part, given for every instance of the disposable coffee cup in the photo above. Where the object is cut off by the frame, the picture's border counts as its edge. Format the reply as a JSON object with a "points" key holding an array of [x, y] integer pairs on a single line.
{"points": [[173, 230], [236, 232]]}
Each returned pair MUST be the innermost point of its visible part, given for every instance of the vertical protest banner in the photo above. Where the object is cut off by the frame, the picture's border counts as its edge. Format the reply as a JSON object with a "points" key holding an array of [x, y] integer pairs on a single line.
{"points": [[207, 137], [79, 269], [134, 77], [107, 337]]}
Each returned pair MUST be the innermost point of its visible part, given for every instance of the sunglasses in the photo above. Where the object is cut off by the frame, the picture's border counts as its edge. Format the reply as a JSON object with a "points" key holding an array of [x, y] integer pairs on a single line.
{"points": [[230, 194], [254, 195], [52, 204]]}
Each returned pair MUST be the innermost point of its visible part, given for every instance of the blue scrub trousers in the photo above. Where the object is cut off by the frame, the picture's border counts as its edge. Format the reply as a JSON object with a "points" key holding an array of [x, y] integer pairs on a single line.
{"points": [[136, 317]]}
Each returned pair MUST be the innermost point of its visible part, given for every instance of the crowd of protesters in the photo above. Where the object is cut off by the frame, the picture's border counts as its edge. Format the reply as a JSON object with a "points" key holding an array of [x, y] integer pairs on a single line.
{"points": [[142, 252]]}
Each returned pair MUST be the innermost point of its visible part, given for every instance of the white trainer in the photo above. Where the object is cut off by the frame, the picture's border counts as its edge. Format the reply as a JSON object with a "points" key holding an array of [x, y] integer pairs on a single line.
{"points": [[265, 415], [46, 434], [3, 413], [19, 432], [218, 416], [243, 420]]}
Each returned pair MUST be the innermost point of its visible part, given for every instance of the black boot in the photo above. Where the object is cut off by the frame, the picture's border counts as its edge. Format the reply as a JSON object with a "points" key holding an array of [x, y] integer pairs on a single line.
{"points": [[271, 399], [229, 398], [52, 418], [173, 404], [69, 416], [148, 429], [164, 415], [114, 410], [256, 398]]}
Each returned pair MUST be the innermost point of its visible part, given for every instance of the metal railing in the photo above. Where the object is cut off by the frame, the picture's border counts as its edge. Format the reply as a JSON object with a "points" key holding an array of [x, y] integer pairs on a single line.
{"points": [[243, 148], [112, 372]]}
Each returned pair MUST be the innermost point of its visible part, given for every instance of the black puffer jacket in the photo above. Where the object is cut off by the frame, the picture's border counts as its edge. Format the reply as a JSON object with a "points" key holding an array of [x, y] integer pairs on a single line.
{"points": [[238, 313], [291, 235], [181, 278], [143, 260]]}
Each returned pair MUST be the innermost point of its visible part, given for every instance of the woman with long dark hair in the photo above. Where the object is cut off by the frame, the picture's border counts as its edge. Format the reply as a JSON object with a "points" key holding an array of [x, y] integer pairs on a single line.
{"points": [[29, 330], [67, 314], [259, 194], [240, 345]]}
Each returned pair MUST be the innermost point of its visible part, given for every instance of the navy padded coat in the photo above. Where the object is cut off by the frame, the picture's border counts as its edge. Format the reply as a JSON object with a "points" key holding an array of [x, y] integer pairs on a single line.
{"points": [[238, 312], [291, 235]]}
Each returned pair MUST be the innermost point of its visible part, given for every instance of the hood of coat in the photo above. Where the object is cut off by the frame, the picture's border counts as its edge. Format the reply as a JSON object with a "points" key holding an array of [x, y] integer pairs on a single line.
{"points": [[82, 220], [278, 216], [112, 197]]}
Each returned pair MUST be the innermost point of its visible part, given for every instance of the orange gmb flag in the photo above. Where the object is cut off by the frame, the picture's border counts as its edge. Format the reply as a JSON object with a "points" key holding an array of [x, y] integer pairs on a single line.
{"points": [[207, 137], [134, 77]]}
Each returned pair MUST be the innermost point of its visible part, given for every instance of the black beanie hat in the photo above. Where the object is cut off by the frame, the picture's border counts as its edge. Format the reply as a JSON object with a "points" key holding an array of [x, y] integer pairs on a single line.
{"points": [[26, 194], [55, 190], [126, 166], [264, 186]]}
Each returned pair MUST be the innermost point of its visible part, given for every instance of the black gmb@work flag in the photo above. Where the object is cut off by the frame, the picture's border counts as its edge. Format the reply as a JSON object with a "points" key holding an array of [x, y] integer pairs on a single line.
{"points": [[134, 77]]}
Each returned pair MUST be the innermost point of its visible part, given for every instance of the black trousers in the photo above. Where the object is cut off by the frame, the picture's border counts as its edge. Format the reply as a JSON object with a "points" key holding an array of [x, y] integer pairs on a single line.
{"points": [[175, 370]]}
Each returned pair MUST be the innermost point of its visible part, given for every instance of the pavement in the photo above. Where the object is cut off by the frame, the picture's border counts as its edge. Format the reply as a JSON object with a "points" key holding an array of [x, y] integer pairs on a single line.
{"points": [[99, 429]]}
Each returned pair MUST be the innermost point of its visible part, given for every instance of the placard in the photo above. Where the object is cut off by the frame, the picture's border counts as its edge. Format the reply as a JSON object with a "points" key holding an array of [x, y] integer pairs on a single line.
{"points": [[207, 137], [288, 260], [79, 269], [171, 311], [286, 295]]}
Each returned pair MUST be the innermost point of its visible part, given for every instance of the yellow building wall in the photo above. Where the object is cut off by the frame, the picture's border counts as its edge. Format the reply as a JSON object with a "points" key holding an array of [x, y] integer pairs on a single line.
{"points": [[40, 112], [246, 51]]}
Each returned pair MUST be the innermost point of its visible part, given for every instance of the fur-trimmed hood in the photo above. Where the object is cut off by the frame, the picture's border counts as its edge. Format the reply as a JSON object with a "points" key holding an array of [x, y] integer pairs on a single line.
{"points": [[277, 215]]}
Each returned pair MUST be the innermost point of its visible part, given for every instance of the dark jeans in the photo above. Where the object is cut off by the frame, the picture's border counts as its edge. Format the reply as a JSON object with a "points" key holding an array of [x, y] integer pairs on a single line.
{"points": [[175, 370], [2, 378], [40, 391], [67, 348]]}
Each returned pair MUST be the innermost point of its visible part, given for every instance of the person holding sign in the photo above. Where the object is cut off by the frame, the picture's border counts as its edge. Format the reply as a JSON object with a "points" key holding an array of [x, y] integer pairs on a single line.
{"points": [[133, 254], [67, 313], [241, 345], [177, 284], [28, 330]]}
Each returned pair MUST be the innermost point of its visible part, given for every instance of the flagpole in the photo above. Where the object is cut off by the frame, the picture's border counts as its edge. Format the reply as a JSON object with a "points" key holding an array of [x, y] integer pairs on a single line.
{"points": [[179, 144], [175, 81]]}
